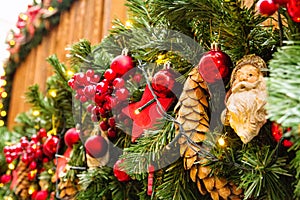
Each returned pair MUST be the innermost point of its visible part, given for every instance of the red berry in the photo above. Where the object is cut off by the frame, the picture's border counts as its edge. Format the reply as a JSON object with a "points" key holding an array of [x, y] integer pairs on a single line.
{"points": [[119, 173], [267, 7], [137, 78], [110, 74], [34, 138], [89, 91], [71, 83], [111, 133], [50, 146], [32, 165], [96, 146], [83, 99], [6, 149], [90, 73], [118, 83], [42, 133], [95, 78], [293, 9], [121, 64], [24, 143], [102, 87], [122, 94], [81, 79], [112, 122], [89, 108], [103, 125], [24, 158], [8, 159]]}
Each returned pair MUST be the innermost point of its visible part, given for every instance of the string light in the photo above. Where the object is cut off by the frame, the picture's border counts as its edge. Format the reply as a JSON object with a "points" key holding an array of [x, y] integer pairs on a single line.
{"points": [[1, 185], [4, 95], [138, 111], [50, 9], [70, 73], [3, 113], [2, 83], [23, 16], [35, 113], [50, 171], [11, 166], [31, 189], [221, 141], [52, 93], [128, 24], [1, 123], [1, 105]]}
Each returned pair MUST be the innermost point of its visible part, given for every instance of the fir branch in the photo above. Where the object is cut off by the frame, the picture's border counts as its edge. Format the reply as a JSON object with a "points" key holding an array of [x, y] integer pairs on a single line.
{"points": [[176, 184]]}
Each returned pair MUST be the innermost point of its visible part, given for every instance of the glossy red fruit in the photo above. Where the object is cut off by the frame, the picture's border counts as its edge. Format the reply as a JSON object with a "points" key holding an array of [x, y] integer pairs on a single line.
{"points": [[71, 137], [293, 9], [119, 173], [110, 74], [137, 78], [118, 83], [96, 146], [163, 82], [102, 87], [90, 73], [42, 133], [121, 64], [215, 65], [103, 125], [267, 7], [112, 122], [111, 133], [121, 94]]}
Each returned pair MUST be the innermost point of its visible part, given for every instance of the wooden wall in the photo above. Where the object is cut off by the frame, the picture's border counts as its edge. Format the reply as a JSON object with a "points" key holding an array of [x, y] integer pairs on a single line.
{"points": [[89, 19]]}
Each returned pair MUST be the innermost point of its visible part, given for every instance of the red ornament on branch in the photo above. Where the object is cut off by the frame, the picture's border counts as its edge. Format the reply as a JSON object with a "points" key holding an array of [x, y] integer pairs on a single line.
{"points": [[277, 132], [122, 63], [71, 137], [215, 65], [119, 173], [267, 7], [96, 146]]}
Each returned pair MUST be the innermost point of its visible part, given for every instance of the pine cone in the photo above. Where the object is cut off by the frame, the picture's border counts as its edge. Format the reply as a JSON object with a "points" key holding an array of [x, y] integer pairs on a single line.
{"points": [[22, 183], [68, 189], [192, 113]]}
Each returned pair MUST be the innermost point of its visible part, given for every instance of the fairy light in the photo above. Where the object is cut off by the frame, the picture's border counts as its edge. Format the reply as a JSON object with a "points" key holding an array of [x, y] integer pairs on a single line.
{"points": [[1, 185], [35, 113], [4, 95], [12, 42], [11, 166], [8, 198], [1, 105], [128, 24], [52, 93], [50, 9], [3, 82], [23, 16], [70, 73], [1, 123], [221, 141], [31, 189], [3, 113]]}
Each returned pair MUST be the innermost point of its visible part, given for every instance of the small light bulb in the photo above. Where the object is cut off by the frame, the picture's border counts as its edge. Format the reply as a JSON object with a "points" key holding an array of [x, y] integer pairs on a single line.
{"points": [[52, 92], [4, 95], [35, 113], [70, 73], [50, 9], [3, 113], [128, 24], [137, 111], [1, 123], [31, 190], [221, 141], [11, 166]]}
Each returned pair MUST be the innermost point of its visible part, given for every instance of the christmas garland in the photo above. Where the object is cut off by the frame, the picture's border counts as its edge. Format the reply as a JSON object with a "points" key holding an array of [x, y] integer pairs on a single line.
{"points": [[32, 25]]}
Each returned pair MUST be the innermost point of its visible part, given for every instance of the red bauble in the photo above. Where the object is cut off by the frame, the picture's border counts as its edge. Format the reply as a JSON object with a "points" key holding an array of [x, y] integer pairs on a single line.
{"points": [[277, 132], [50, 146], [41, 195], [267, 7], [5, 178], [71, 137], [215, 65], [293, 8], [119, 173], [96, 146], [163, 82], [121, 64]]}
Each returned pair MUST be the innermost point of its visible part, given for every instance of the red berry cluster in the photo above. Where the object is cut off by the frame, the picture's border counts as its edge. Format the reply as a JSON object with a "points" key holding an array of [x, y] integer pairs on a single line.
{"points": [[31, 151], [106, 92], [84, 84], [277, 132], [269, 7]]}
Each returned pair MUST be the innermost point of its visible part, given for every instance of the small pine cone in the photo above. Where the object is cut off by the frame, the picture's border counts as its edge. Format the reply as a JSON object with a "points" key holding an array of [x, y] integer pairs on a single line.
{"points": [[68, 189], [192, 113]]}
